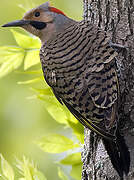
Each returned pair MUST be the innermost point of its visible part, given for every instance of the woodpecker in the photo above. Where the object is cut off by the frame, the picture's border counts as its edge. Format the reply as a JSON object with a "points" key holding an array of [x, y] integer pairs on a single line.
{"points": [[80, 67]]}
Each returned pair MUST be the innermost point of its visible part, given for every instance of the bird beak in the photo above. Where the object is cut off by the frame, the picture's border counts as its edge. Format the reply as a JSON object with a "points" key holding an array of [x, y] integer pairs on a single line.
{"points": [[17, 23]]}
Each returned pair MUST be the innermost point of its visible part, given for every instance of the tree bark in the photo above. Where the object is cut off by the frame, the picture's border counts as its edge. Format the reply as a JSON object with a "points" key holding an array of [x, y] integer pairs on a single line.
{"points": [[116, 17]]}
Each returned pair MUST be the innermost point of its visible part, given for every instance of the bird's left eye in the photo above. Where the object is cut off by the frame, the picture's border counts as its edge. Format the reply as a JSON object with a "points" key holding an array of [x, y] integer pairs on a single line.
{"points": [[37, 14]]}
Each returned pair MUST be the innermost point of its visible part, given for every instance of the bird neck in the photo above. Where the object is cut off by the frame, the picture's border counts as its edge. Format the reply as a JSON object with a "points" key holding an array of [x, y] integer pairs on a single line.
{"points": [[59, 26], [61, 22]]}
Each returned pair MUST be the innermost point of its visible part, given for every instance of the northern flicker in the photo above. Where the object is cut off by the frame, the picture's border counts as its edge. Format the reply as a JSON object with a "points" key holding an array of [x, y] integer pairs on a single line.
{"points": [[79, 65]]}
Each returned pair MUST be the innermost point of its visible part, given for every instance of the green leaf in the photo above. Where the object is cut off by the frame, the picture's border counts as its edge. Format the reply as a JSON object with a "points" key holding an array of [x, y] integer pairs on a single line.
{"points": [[73, 159], [7, 51], [61, 174], [39, 176], [76, 171], [35, 80], [70, 116], [59, 112], [36, 72], [26, 42], [55, 109], [25, 168], [10, 59], [13, 63], [80, 137], [29, 170], [77, 127], [78, 130], [56, 143], [6, 169], [47, 91], [31, 59]]}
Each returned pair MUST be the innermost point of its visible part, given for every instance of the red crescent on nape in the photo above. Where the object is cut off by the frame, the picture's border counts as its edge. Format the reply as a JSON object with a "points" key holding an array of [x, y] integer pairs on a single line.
{"points": [[55, 10]]}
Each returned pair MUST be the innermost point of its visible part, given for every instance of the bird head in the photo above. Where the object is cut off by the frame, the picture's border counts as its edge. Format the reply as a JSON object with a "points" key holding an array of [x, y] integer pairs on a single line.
{"points": [[42, 21]]}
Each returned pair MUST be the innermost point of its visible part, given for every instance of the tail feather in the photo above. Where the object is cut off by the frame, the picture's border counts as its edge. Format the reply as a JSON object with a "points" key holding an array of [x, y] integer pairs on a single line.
{"points": [[113, 153], [119, 154], [124, 153]]}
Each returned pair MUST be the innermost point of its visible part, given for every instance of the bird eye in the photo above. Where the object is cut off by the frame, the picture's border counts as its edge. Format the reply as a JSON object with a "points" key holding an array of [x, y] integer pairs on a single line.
{"points": [[37, 14]]}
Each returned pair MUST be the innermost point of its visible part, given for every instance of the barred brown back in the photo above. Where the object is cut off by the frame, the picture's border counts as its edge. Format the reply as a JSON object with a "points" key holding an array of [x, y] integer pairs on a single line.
{"points": [[79, 65]]}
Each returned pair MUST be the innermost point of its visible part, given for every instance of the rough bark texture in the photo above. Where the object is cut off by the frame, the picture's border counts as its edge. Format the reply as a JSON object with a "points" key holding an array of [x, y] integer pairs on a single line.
{"points": [[116, 17]]}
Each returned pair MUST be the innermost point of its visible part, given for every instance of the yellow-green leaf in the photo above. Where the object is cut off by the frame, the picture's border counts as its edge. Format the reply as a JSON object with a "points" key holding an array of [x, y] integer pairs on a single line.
{"points": [[39, 176], [6, 52], [26, 168], [14, 61], [73, 159], [55, 109], [7, 170], [76, 171], [61, 174], [56, 143], [46, 91], [29, 170], [31, 59], [35, 80], [78, 130], [36, 72], [10, 49], [26, 42]]}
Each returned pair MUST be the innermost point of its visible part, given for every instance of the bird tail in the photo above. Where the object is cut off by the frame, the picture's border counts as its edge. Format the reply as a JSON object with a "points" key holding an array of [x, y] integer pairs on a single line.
{"points": [[119, 154]]}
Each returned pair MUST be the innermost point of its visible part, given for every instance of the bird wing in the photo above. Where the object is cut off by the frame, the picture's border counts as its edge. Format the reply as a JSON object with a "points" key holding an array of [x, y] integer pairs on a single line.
{"points": [[88, 123], [97, 91], [100, 75], [86, 80]]}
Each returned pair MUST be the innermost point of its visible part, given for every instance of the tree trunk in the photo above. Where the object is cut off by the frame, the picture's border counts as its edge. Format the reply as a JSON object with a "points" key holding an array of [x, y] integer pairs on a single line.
{"points": [[116, 17]]}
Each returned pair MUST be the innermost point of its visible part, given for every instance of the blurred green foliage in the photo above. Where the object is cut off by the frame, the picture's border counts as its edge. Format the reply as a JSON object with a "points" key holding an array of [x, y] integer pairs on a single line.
{"points": [[30, 127]]}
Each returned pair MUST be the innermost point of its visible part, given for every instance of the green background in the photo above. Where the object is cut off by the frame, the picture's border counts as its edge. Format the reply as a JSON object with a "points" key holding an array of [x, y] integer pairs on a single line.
{"points": [[22, 120]]}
